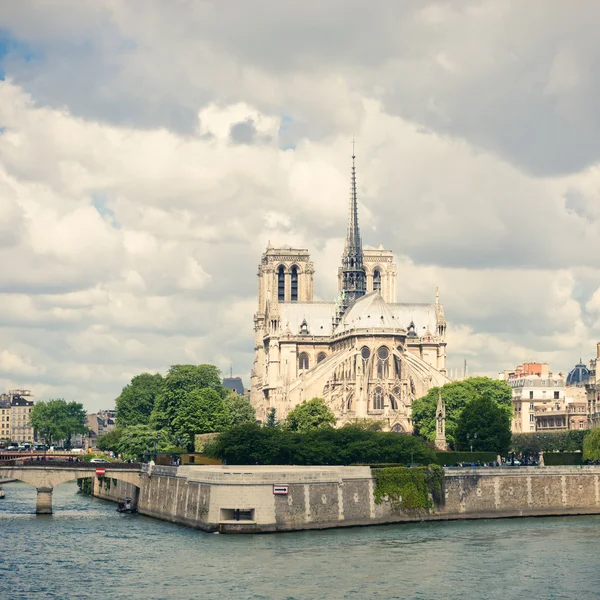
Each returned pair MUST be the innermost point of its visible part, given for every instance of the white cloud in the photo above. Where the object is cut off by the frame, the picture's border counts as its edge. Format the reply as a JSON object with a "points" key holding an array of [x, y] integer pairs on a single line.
{"points": [[148, 156]]}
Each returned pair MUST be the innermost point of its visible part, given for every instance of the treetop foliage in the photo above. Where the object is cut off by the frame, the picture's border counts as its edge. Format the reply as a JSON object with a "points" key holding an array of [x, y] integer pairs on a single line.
{"points": [[591, 445], [58, 419], [252, 444], [456, 396], [309, 415], [484, 418], [136, 402], [533, 443]]}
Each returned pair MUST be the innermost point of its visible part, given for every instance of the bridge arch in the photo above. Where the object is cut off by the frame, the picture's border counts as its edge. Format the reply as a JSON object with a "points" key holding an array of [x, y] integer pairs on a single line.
{"points": [[46, 478]]}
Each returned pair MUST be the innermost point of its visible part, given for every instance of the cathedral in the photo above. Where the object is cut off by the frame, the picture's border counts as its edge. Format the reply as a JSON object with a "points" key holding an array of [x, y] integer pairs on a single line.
{"points": [[367, 355]]}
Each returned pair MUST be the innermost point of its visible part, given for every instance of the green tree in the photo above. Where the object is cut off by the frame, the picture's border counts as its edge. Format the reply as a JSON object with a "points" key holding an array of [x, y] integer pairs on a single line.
{"points": [[252, 444], [272, 421], [110, 441], [136, 402], [456, 396], [178, 383], [482, 417], [201, 411], [239, 410], [591, 445], [57, 419], [311, 414], [366, 424], [74, 421], [140, 441]]}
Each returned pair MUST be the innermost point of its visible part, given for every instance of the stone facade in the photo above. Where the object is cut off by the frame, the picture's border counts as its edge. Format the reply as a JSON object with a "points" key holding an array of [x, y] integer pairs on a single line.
{"points": [[242, 499]]}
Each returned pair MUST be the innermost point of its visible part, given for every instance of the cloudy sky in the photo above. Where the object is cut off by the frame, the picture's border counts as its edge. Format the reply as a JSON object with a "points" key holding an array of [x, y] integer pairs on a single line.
{"points": [[149, 150]]}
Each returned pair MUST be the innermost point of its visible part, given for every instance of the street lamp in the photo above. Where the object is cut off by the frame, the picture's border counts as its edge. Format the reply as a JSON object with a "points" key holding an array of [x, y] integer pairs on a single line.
{"points": [[471, 439]]}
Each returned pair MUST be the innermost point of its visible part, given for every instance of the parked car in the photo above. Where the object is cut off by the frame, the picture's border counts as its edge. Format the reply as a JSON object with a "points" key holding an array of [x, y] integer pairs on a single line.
{"points": [[99, 460]]}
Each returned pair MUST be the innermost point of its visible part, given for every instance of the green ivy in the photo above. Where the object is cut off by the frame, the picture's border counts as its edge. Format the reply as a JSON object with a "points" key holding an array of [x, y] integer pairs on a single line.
{"points": [[409, 488], [85, 485]]}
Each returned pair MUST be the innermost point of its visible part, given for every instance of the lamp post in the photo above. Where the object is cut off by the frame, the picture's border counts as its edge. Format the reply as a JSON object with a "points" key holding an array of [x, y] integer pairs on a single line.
{"points": [[471, 439]]}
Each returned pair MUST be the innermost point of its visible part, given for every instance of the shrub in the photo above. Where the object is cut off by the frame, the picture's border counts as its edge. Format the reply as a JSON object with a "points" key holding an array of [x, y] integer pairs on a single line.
{"points": [[251, 444], [453, 458], [562, 458]]}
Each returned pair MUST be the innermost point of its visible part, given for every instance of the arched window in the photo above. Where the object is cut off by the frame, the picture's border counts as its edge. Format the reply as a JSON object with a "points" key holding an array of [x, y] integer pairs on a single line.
{"points": [[303, 361], [377, 280], [294, 283], [397, 428], [378, 399], [383, 355], [281, 283], [365, 352], [321, 357], [398, 367]]}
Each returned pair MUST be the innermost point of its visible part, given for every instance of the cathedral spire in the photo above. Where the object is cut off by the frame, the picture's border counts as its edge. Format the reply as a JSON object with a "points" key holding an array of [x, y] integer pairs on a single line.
{"points": [[354, 284]]}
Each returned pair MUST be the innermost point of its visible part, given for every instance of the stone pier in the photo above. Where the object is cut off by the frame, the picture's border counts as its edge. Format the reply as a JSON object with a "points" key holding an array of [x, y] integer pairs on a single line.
{"points": [[44, 501]]}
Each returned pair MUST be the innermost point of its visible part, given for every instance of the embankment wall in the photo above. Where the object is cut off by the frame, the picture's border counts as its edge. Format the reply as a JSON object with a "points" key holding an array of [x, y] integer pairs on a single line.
{"points": [[242, 499]]}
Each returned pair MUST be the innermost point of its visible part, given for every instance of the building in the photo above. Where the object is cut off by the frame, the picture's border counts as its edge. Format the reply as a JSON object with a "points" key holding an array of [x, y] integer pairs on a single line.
{"points": [[543, 402], [20, 408], [5, 424], [234, 384], [366, 354]]}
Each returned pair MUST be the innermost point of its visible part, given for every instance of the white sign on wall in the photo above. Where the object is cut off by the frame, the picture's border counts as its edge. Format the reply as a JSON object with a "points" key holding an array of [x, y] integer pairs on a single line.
{"points": [[281, 490]]}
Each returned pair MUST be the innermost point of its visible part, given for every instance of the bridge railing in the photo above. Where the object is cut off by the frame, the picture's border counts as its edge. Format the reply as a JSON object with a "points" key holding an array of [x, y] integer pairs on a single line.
{"points": [[65, 464]]}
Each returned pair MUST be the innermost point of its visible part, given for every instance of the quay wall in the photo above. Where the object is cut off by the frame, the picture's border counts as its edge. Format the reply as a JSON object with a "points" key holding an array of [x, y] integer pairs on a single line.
{"points": [[242, 499]]}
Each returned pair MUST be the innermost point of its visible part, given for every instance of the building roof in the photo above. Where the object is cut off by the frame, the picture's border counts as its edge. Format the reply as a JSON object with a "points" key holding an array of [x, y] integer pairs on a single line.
{"points": [[4, 403], [578, 375], [318, 317], [235, 384], [369, 312], [18, 401]]}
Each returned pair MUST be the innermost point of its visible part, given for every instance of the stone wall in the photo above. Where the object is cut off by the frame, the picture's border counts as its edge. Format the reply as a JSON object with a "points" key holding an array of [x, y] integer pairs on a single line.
{"points": [[242, 499]]}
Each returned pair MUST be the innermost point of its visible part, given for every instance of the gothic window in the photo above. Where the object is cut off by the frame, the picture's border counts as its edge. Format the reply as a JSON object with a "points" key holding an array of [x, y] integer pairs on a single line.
{"points": [[377, 281], [378, 399], [393, 403], [365, 352], [398, 367], [321, 357], [303, 361], [294, 284], [397, 428], [382, 362], [281, 283]]}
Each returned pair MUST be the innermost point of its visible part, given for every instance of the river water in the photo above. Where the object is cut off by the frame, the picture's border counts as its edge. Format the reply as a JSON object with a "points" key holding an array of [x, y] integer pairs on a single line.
{"points": [[88, 550]]}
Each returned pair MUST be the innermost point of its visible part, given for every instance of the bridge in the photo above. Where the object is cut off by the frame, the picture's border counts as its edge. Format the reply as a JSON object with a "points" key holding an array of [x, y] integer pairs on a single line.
{"points": [[45, 475]]}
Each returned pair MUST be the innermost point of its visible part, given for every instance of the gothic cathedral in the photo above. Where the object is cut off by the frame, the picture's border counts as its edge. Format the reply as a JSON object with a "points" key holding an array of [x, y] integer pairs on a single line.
{"points": [[365, 354]]}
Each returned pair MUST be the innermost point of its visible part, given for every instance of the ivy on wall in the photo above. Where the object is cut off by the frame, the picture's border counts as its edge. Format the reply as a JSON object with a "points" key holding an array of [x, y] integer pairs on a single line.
{"points": [[409, 488], [85, 485]]}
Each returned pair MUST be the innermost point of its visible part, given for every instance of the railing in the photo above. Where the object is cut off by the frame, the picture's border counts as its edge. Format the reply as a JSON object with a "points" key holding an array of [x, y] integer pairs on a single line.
{"points": [[65, 464]]}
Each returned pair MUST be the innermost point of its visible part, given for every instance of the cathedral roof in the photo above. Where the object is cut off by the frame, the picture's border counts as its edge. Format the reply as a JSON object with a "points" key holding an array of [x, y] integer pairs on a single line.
{"points": [[318, 317], [369, 312]]}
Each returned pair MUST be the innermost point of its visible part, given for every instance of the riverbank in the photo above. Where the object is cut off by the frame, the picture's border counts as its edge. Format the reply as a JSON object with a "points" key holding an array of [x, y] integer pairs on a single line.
{"points": [[249, 499]]}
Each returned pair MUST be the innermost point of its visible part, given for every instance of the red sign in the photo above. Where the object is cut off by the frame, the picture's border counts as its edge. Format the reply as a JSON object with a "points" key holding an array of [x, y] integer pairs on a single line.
{"points": [[100, 471]]}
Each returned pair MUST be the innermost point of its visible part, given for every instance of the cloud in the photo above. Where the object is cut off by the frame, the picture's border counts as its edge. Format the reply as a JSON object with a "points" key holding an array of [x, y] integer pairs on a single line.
{"points": [[148, 153]]}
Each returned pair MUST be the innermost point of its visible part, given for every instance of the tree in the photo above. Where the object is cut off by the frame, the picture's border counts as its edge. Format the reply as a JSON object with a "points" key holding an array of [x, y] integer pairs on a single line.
{"points": [[201, 411], [178, 383], [140, 441], [136, 402], [272, 418], [591, 445], [252, 444], [456, 396], [239, 410], [58, 419], [313, 414], [110, 441], [482, 417], [74, 419], [366, 424]]}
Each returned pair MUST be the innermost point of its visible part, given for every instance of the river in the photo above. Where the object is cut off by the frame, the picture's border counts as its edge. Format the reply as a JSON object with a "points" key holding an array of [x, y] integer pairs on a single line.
{"points": [[88, 550]]}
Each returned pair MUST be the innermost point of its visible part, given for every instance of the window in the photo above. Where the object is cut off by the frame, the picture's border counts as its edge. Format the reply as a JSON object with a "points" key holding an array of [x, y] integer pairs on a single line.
{"points": [[531, 406], [377, 281], [531, 395], [294, 284], [531, 418], [382, 362], [580, 424], [556, 395], [365, 352], [398, 367], [321, 357], [378, 399], [303, 361], [281, 284]]}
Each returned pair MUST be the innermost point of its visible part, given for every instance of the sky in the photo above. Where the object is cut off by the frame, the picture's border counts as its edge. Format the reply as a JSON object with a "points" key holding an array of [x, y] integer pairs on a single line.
{"points": [[150, 150]]}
